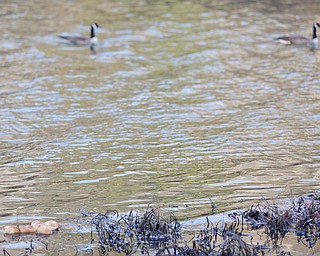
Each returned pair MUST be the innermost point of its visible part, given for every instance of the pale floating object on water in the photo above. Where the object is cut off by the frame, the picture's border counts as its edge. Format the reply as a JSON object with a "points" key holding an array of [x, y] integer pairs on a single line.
{"points": [[35, 227], [53, 225], [27, 229], [36, 223], [43, 229], [11, 229]]}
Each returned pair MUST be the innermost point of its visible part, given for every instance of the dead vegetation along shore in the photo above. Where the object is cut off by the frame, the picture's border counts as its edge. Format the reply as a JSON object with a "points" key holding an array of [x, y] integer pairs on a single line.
{"points": [[301, 216], [150, 233], [130, 231]]}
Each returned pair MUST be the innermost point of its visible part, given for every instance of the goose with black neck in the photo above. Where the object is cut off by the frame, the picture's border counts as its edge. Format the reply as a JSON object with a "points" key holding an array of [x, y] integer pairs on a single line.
{"points": [[82, 41], [313, 43]]}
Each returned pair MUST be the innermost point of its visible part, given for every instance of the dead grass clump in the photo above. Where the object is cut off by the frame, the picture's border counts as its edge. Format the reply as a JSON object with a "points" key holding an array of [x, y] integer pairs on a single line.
{"points": [[149, 232], [130, 232], [301, 216], [216, 240], [223, 240]]}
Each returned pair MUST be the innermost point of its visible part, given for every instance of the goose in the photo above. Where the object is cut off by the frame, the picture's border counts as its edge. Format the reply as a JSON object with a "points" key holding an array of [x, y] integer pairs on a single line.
{"points": [[81, 41], [302, 40]]}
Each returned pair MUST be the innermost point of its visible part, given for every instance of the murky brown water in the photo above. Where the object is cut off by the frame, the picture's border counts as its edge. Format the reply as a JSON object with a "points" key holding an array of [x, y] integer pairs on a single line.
{"points": [[184, 101]]}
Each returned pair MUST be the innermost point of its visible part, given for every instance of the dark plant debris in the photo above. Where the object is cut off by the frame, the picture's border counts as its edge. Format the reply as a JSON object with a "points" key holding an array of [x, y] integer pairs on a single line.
{"points": [[301, 216], [150, 233], [153, 233], [129, 232]]}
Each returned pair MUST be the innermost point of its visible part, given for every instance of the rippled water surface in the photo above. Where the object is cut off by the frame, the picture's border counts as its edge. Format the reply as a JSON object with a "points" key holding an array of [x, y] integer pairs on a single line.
{"points": [[184, 101]]}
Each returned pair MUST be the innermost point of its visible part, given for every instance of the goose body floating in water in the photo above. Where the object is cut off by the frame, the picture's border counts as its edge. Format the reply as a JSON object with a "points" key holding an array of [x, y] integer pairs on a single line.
{"points": [[302, 40], [82, 41]]}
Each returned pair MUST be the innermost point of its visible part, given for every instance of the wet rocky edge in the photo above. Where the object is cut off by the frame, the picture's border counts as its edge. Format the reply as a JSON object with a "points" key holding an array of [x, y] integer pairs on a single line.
{"points": [[39, 238], [150, 233], [258, 230]]}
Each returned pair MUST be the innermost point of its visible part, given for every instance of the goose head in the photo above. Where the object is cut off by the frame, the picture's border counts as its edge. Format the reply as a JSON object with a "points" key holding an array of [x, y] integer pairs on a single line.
{"points": [[315, 40], [93, 38]]}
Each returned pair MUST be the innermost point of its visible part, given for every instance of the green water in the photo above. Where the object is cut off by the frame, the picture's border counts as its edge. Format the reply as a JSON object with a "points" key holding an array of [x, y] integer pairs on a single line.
{"points": [[184, 101]]}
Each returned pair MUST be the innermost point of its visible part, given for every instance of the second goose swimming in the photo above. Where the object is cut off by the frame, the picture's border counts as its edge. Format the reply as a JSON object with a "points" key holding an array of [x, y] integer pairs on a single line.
{"points": [[302, 40], [80, 40]]}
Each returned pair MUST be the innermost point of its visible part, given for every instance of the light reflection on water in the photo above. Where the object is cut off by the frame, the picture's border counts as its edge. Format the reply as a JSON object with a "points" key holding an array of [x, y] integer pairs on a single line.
{"points": [[177, 107]]}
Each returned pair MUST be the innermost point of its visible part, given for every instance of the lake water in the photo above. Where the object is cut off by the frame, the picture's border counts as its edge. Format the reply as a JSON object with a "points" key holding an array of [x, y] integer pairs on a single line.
{"points": [[184, 101]]}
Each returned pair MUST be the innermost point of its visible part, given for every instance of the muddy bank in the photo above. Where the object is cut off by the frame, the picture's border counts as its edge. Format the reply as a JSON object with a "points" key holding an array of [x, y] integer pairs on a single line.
{"points": [[262, 229]]}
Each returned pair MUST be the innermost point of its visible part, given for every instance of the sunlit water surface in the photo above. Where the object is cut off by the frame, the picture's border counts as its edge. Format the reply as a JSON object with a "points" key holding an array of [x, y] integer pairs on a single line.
{"points": [[184, 101]]}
